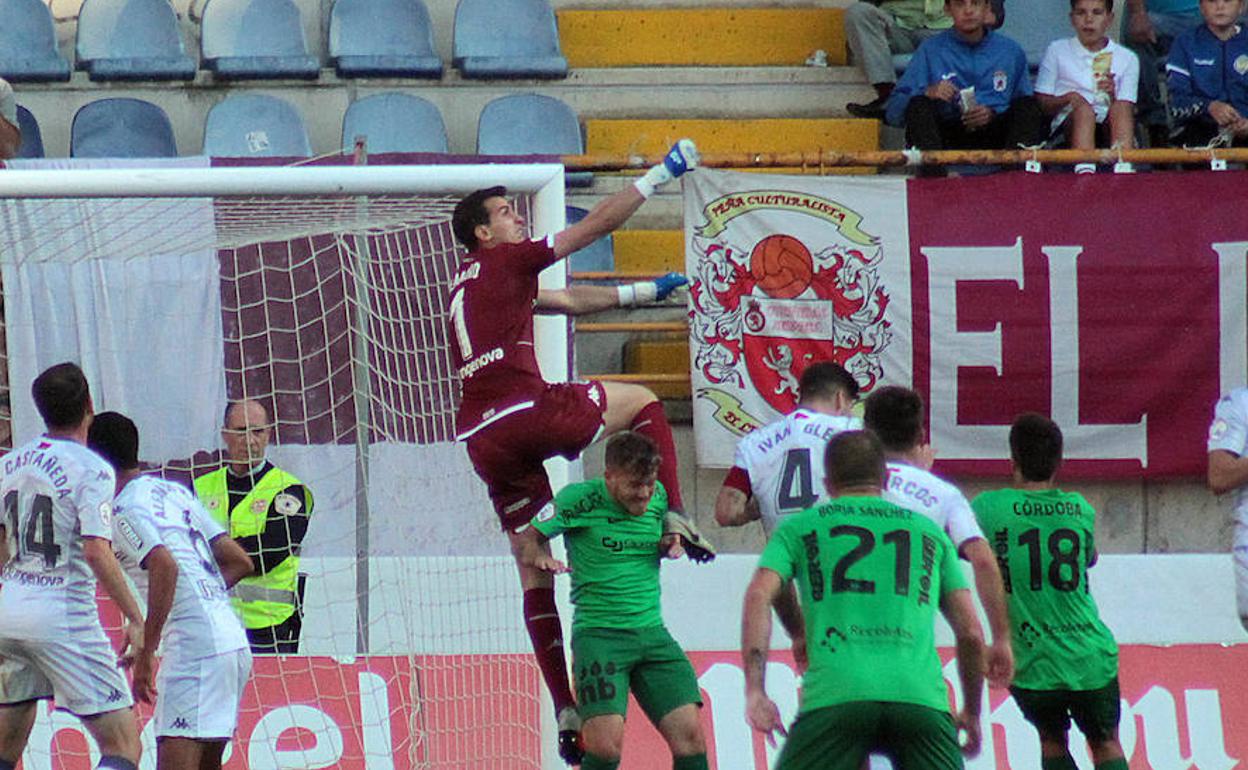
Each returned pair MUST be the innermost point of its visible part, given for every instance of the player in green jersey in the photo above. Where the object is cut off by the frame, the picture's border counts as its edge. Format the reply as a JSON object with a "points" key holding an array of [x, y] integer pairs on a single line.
{"points": [[1066, 659], [613, 530], [870, 576]]}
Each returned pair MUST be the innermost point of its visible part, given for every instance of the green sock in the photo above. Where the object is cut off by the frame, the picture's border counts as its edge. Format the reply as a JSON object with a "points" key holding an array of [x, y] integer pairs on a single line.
{"points": [[1066, 762], [593, 762], [691, 762], [1113, 764]]}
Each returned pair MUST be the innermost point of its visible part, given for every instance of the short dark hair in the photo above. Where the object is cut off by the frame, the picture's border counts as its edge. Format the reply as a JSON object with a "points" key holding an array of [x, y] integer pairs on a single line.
{"points": [[1109, 5], [632, 453], [1035, 446], [854, 458], [471, 211], [114, 437], [824, 379], [61, 395], [895, 414]]}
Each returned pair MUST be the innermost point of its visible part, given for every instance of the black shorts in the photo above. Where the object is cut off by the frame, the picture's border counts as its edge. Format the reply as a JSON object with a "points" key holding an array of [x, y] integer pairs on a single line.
{"points": [[1096, 712]]}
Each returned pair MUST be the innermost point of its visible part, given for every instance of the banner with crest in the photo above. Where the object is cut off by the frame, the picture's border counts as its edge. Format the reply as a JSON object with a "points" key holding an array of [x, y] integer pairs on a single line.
{"points": [[1115, 304], [785, 271]]}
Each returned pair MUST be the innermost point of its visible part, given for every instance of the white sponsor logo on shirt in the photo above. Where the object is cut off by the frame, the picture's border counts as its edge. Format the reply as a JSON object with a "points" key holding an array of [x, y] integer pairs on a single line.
{"points": [[106, 514], [1218, 429], [287, 504], [127, 531]]}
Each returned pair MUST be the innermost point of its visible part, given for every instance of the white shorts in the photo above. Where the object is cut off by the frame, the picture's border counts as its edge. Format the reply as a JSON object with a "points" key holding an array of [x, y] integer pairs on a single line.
{"points": [[81, 675], [198, 697]]}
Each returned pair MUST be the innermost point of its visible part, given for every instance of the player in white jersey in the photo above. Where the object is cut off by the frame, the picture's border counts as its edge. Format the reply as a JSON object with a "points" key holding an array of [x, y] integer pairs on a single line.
{"points": [[206, 658], [778, 469], [55, 544], [1228, 471], [895, 414]]}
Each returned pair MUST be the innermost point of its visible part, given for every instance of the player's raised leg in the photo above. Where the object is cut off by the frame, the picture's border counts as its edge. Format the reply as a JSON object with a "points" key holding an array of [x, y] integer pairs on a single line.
{"points": [[637, 408]]}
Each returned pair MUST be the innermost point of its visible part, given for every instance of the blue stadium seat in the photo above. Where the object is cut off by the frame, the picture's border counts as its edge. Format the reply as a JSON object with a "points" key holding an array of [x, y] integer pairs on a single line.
{"points": [[1035, 24], [255, 126], [131, 40], [121, 128], [28, 43], [394, 122], [255, 39], [382, 38], [598, 256], [507, 39], [531, 124], [32, 137]]}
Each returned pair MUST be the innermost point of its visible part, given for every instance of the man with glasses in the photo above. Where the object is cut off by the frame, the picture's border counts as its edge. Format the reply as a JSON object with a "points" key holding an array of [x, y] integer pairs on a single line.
{"points": [[266, 510]]}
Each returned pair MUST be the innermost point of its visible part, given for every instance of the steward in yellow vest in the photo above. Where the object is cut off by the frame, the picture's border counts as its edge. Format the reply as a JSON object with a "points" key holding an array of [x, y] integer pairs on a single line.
{"points": [[266, 510]]}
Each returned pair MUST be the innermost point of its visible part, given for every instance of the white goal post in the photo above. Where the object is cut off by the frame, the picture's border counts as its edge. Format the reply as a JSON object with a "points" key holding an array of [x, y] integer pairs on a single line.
{"points": [[316, 289]]}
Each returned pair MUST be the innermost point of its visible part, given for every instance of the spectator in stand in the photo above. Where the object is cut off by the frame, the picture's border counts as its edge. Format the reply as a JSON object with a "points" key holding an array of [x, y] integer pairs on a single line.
{"points": [[876, 30], [10, 134], [967, 88], [1088, 82], [1207, 76]]}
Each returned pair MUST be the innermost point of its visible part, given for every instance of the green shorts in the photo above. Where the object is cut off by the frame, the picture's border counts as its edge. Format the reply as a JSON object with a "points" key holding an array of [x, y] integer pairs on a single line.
{"points": [[840, 737], [608, 662], [1095, 711]]}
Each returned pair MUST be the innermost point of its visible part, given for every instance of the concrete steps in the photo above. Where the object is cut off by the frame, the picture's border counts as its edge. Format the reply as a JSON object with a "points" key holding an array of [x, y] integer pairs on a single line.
{"points": [[699, 36]]}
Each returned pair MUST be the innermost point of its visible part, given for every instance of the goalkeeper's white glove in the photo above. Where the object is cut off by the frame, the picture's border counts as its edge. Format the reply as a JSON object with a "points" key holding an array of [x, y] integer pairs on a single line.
{"points": [[681, 158], [645, 292]]}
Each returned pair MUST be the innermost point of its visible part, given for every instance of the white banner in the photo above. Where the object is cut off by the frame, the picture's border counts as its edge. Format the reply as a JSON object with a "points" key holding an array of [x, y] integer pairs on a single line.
{"points": [[787, 271]]}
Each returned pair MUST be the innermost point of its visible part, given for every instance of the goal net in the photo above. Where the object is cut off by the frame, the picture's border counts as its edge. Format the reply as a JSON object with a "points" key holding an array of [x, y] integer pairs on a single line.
{"points": [[322, 293]]}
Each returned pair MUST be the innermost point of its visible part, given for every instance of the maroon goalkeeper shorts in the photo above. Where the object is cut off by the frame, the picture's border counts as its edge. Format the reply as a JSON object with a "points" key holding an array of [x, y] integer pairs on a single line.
{"points": [[508, 454]]}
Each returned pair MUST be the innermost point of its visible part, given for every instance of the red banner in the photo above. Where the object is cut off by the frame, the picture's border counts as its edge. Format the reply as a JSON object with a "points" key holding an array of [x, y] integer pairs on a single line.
{"points": [[1093, 300], [1115, 304], [1182, 708]]}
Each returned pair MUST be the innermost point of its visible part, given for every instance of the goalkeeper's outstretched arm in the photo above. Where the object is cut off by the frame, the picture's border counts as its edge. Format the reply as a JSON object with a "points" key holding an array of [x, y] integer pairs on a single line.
{"points": [[615, 210], [582, 300]]}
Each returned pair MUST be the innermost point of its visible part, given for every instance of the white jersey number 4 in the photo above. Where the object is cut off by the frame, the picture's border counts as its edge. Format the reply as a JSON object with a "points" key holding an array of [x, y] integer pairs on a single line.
{"points": [[38, 534]]}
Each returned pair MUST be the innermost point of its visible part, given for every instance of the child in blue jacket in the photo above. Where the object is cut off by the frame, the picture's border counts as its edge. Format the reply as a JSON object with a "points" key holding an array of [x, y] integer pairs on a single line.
{"points": [[1207, 75]]}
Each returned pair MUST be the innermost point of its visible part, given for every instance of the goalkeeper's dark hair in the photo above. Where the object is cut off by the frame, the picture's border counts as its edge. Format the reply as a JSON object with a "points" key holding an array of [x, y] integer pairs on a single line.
{"points": [[470, 212], [61, 395], [895, 414], [1035, 446], [114, 437], [854, 458], [1109, 5], [824, 379], [632, 453]]}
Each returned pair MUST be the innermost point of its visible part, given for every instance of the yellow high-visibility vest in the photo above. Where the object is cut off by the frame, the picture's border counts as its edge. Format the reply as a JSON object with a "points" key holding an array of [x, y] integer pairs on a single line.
{"points": [[260, 600]]}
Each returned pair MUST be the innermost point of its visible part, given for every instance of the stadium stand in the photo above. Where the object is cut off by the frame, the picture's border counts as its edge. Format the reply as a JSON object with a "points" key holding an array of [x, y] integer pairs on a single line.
{"points": [[598, 256], [28, 50], [382, 38], [727, 37], [32, 137], [394, 122], [255, 39], [507, 39], [255, 126], [531, 124], [131, 40], [122, 128], [1034, 25]]}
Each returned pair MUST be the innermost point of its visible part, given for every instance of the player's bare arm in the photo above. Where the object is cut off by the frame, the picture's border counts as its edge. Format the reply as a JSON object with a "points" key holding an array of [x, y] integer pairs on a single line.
{"points": [[231, 559], [99, 555], [615, 210], [1227, 471], [959, 610], [734, 508], [760, 711], [991, 593], [789, 610], [532, 549], [162, 581]]}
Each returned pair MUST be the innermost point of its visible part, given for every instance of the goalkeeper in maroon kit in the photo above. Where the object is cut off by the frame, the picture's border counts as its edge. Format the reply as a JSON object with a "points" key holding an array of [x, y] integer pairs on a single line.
{"points": [[512, 420]]}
